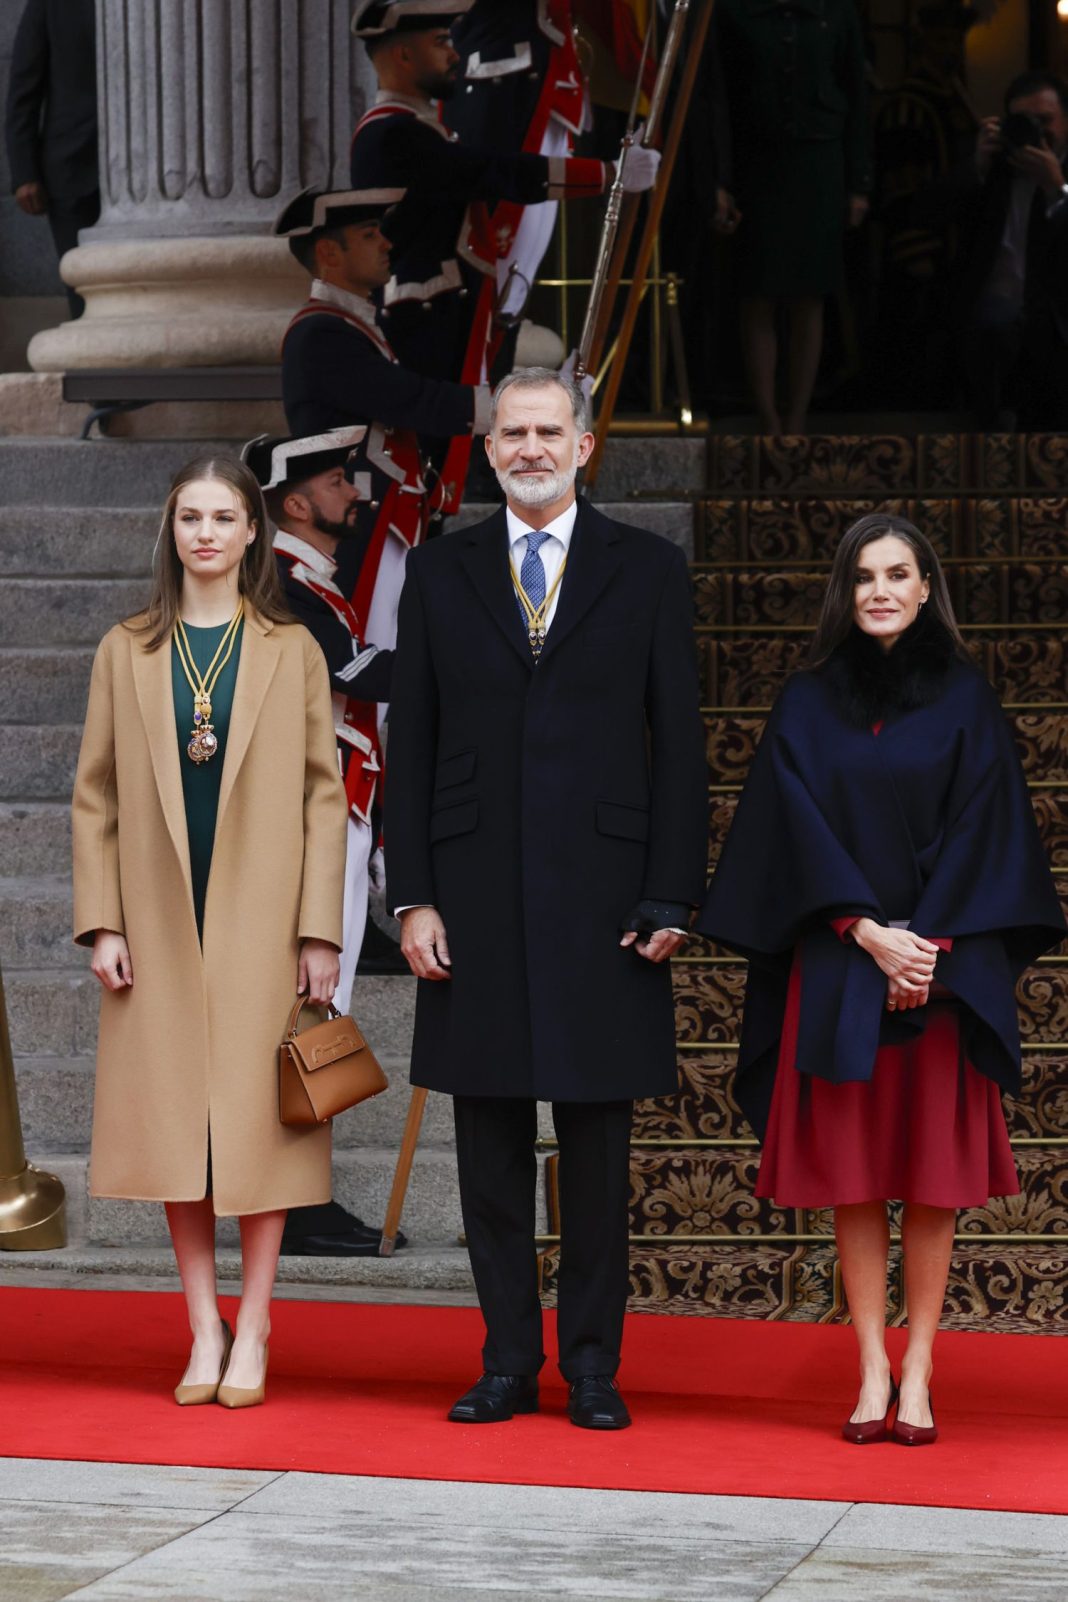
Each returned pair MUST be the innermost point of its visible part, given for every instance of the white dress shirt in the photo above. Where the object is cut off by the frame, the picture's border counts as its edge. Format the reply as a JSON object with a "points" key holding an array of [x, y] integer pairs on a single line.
{"points": [[552, 551]]}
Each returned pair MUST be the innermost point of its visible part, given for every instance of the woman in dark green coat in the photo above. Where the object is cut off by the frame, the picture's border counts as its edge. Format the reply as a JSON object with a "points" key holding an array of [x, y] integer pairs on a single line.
{"points": [[796, 170]]}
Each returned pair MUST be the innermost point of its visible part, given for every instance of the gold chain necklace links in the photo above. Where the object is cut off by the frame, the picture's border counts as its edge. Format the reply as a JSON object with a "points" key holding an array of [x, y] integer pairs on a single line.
{"points": [[536, 615], [204, 742]]}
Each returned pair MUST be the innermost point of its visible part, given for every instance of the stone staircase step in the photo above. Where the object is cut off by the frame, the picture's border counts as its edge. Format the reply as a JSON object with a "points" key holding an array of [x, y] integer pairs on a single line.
{"points": [[703, 1191], [887, 464], [73, 611], [38, 761], [97, 472], [66, 542], [743, 670], [46, 684], [1005, 592], [784, 529], [135, 473], [56, 1101], [51, 1015], [413, 1268], [705, 1110], [709, 997], [363, 1177], [1041, 735], [35, 837], [35, 923], [1009, 1286]]}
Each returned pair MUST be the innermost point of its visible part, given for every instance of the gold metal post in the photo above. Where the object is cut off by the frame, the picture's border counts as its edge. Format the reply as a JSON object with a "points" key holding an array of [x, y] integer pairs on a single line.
{"points": [[32, 1203]]}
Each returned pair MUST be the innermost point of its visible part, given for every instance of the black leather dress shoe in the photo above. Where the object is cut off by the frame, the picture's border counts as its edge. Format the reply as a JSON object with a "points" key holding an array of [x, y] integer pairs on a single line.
{"points": [[496, 1397], [594, 1403], [329, 1231]]}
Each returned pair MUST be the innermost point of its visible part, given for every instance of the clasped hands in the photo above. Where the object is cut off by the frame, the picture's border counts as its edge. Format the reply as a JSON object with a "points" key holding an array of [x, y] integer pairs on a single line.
{"points": [[425, 944], [907, 960]]}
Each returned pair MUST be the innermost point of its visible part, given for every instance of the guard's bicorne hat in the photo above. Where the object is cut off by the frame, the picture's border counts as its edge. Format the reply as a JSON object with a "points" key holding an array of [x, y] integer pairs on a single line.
{"points": [[373, 18], [277, 462], [314, 209]]}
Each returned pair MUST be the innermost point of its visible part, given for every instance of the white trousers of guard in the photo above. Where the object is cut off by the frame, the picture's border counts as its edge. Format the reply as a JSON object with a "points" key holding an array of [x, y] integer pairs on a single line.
{"points": [[354, 917]]}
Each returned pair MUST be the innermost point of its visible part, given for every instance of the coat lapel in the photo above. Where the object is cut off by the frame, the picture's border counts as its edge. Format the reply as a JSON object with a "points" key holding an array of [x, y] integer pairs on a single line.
{"points": [[592, 563], [485, 557], [155, 697], [256, 669]]}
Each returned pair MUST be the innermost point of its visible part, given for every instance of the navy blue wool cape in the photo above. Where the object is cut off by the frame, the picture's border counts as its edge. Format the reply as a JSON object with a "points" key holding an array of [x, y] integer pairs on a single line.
{"points": [[928, 821]]}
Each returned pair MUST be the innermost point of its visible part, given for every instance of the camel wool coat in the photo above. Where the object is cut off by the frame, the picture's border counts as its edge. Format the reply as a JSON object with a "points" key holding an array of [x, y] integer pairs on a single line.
{"points": [[192, 1046]]}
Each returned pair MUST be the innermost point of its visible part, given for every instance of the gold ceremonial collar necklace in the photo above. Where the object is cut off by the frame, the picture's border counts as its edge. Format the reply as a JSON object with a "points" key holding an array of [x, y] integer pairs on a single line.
{"points": [[536, 615], [204, 742]]}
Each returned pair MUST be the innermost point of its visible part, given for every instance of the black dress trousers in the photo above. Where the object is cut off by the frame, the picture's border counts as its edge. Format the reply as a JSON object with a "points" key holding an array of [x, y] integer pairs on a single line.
{"points": [[495, 1139]]}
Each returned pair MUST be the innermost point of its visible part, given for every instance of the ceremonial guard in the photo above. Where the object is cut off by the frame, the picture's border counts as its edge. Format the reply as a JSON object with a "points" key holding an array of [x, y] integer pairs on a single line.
{"points": [[442, 296], [312, 501], [520, 86], [312, 495], [339, 369]]}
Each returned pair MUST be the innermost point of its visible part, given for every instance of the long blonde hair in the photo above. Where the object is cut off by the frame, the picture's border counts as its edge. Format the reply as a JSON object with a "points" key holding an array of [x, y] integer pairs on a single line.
{"points": [[257, 578]]}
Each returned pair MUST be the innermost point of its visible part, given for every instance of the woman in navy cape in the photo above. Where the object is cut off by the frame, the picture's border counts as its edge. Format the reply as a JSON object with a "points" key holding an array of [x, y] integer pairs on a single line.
{"points": [[885, 878]]}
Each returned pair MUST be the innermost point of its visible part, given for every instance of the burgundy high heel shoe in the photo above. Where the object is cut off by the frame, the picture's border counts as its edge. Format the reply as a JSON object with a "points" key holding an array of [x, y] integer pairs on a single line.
{"points": [[916, 1434], [874, 1429]]}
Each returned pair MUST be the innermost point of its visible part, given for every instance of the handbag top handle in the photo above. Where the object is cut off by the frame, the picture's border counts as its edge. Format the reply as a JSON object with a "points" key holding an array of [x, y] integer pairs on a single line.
{"points": [[299, 1006]]}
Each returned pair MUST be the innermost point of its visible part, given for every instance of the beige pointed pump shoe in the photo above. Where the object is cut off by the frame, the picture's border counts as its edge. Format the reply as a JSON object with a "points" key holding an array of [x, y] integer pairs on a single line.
{"points": [[198, 1395], [242, 1396]]}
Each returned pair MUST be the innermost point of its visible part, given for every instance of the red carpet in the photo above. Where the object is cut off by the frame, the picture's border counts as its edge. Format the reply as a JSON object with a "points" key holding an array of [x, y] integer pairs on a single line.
{"points": [[720, 1405]]}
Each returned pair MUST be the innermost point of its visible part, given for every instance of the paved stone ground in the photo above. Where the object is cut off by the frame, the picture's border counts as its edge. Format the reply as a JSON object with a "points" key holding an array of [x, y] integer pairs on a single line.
{"points": [[111, 1532]]}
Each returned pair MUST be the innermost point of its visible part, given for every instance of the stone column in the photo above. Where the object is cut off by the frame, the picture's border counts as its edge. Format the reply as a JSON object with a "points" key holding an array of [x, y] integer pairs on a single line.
{"points": [[213, 113]]}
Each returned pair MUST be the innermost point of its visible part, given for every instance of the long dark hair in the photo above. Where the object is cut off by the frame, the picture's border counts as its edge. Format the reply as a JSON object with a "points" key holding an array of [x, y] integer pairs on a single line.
{"points": [[257, 578], [837, 614]]}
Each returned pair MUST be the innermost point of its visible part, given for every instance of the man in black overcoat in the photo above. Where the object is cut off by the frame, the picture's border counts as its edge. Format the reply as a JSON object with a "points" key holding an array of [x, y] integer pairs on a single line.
{"points": [[50, 121], [547, 800], [1012, 296]]}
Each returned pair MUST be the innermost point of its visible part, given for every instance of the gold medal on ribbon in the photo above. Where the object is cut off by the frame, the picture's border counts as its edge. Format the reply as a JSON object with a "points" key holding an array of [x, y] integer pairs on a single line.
{"points": [[204, 742]]}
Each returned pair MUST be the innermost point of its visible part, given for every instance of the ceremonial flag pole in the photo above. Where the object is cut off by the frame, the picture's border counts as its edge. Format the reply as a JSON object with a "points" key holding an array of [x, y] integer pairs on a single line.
{"points": [[621, 215], [657, 202]]}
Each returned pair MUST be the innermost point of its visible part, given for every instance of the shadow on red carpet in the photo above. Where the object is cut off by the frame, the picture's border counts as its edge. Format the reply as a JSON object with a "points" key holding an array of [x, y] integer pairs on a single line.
{"points": [[720, 1405]]}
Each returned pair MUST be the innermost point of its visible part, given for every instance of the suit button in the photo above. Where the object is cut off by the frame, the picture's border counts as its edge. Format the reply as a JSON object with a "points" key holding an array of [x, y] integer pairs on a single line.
{"points": [[426, 305], [462, 292], [373, 505]]}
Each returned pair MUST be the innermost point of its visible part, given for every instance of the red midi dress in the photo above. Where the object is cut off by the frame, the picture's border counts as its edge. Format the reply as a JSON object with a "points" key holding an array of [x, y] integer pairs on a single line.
{"points": [[927, 1127]]}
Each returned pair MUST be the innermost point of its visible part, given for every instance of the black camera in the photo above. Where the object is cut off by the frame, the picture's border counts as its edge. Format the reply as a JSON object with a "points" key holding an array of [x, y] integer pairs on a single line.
{"points": [[1019, 130]]}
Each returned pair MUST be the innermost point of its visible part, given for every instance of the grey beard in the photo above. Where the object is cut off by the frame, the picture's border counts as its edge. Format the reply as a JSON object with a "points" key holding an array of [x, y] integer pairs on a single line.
{"points": [[536, 491]]}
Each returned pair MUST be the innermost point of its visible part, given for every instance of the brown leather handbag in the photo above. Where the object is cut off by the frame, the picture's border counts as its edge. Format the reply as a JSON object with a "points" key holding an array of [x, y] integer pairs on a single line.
{"points": [[324, 1070]]}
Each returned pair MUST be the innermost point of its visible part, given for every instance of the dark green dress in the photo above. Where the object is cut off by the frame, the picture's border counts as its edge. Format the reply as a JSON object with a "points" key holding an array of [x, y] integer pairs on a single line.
{"points": [[201, 781], [797, 131]]}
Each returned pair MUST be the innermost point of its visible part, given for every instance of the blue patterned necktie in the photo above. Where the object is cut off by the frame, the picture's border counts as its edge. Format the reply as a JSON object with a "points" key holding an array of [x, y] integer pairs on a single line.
{"points": [[532, 573]]}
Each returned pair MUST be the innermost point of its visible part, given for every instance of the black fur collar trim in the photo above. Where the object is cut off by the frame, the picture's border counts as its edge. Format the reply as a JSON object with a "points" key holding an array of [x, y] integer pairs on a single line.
{"points": [[870, 684]]}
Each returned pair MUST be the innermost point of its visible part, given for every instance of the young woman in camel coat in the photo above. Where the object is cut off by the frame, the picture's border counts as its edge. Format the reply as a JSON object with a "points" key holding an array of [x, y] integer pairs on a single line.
{"points": [[200, 969]]}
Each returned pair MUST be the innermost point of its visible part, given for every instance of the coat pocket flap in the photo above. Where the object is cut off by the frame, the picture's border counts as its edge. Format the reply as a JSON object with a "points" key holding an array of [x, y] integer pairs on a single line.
{"points": [[626, 822], [456, 769], [327, 1043], [459, 817]]}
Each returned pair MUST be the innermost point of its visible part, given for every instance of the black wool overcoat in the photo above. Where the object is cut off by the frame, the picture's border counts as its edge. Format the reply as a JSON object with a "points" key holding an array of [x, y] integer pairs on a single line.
{"points": [[534, 805]]}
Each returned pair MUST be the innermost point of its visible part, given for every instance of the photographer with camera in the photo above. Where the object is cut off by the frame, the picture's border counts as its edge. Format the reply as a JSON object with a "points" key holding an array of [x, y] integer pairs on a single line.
{"points": [[1014, 254]]}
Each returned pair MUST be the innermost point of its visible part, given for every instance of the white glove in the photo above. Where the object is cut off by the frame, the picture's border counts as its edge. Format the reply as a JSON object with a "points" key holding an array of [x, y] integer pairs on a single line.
{"points": [[640, 166], [567, 373]]}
